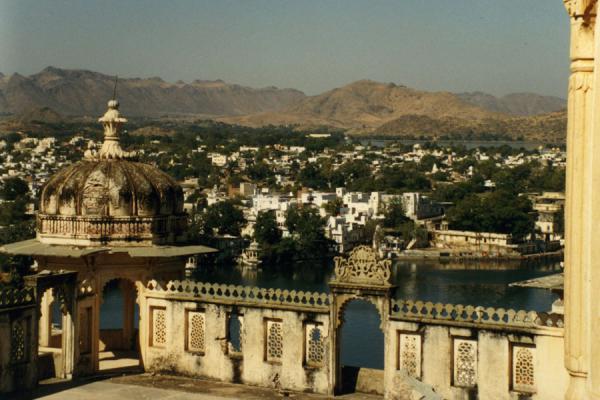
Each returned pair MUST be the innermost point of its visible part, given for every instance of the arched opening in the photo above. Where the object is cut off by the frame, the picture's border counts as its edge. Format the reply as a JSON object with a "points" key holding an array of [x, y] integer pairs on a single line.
{"points": [[361, 348], [119, 327], [50, 349]]}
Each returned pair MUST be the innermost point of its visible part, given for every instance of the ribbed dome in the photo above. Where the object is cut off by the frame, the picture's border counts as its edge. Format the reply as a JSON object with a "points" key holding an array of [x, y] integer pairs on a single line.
{"points": [[111, 188], [107, 199]]}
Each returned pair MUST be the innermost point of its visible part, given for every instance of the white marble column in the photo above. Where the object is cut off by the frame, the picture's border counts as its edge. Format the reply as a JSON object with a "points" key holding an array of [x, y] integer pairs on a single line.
{"points": [[45, 326], [578, 210]]}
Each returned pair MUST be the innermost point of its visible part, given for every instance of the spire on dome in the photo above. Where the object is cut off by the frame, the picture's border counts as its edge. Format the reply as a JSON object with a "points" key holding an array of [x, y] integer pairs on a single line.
{"points": [[112, 121]]}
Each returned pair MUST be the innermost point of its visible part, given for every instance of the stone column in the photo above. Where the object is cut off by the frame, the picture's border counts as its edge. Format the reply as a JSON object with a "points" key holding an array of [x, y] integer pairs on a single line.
{"points": [[594, 218], [128, 293], [46, 319], [578, 208]]}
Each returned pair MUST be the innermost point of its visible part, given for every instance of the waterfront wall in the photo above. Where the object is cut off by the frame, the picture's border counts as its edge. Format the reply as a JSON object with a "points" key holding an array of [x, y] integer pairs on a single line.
{"points": [[466, 352], [458, 351], [271, 338]]}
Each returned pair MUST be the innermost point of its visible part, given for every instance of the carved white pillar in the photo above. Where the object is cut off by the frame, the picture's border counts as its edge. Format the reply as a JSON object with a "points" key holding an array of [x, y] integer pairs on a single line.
{"points": [[594, 219], [578, 209], [46, 319]]}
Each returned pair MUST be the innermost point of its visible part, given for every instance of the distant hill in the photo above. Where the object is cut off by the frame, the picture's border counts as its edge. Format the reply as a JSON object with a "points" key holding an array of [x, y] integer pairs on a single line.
{"points": [[84, 93], [550, 128], [522, 104], [361, 107], [366, 105]]}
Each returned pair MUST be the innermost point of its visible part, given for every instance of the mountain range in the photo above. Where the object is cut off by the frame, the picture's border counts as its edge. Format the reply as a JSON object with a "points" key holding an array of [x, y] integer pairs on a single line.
{"points": [[361, 107]]}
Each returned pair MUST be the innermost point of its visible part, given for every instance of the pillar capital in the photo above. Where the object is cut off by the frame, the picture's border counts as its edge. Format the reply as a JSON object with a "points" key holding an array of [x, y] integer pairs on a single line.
{"points": [[581, 9]]}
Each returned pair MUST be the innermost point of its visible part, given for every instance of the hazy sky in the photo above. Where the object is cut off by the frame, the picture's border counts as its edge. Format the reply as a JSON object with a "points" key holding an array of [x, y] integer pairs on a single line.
{"points": [[497, 46]]}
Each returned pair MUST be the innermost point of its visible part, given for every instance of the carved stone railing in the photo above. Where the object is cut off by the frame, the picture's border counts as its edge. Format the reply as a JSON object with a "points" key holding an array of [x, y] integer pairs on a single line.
{"points": [[232, 294], [16, 297], [98, 228], [489, 316]]}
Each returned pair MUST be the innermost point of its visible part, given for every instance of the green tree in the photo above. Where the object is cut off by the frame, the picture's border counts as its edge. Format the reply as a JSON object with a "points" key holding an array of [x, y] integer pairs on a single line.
{"points": [[224, 218], [265, 229], [395, 216], [14, 188], [333, 207], [500, 211]]}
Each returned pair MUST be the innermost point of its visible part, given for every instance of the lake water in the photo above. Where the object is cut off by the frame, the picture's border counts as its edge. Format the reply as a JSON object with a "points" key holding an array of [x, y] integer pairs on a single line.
{"points": [[469, 144], [465, 283]]}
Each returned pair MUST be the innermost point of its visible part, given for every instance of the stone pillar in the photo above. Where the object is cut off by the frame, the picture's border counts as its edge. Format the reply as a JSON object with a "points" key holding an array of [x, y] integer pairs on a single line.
{"points": [[128, 293], [594, 218], [46, 319], [578, 209]]}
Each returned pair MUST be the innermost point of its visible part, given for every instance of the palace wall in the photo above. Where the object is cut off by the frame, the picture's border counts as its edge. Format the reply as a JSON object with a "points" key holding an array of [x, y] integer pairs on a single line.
{"points": [[468, 352], [283, 335], [458, 351]]}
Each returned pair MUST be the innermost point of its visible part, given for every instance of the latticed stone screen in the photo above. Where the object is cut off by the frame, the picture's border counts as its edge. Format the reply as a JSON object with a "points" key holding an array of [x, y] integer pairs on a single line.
{"points": [[465, 362], [158, 326], [409, 354], [274, 340], [314, 344], [523, 368], [18, 341], [196, 328]]}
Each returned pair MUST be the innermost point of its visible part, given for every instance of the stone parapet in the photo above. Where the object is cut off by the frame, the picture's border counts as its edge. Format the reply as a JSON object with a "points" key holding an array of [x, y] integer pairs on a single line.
{"points": [[482, 317], [109, 230], [241, 295], [16, 297]]}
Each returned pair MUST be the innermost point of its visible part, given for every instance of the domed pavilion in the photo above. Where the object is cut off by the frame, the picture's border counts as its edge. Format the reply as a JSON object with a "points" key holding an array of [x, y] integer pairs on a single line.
{"points": [[105, 220]]}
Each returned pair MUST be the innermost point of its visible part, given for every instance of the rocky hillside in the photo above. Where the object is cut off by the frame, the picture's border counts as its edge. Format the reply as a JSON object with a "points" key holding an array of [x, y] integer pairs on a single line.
{"points": [[362, 107], [521, 104], [368, 107], [84, 93]]}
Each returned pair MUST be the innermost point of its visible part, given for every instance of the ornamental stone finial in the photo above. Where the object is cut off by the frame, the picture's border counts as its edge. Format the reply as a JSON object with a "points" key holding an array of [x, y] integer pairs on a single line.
{"points": [[363, 267], [112, 122]]}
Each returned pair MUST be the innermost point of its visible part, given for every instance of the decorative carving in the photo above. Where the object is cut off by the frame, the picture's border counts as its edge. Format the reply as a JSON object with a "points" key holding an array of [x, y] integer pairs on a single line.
{"points": [[196, 331], [14, 297], [315, 344], [465, 362], [99, 228], [274, 343], [159, 327], [410, 354], [585, 9], [17, 341], [363, 267], [523, 373]]}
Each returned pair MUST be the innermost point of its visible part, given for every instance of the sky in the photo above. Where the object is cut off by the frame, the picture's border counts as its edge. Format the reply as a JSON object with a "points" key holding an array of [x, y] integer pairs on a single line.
{"points": [[495, 46]]}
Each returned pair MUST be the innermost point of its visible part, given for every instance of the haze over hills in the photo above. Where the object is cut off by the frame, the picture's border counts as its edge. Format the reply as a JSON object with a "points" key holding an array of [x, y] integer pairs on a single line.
{"points": [[522, 104], [81, 92], [361, 107]]}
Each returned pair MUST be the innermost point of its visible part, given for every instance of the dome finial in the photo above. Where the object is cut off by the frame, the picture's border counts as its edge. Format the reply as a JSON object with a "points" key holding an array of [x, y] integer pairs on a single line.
{"points": [[112, 121]]}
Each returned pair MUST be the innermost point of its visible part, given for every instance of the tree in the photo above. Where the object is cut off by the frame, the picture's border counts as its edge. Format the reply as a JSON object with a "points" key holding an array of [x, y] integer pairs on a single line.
{"points": [[14, 188], [333, 207], [265, 229], [395, 215], [307, 229], [500, 211], [224, 218]]}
